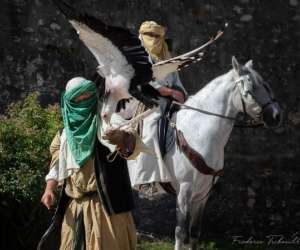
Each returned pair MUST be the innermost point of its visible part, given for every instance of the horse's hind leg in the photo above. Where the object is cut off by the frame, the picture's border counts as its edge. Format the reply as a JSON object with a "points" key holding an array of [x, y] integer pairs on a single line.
{"points": [[182, 214], [197, 210]]}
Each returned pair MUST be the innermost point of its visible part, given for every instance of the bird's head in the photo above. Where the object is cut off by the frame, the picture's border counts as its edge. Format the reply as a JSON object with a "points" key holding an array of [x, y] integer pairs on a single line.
{"points": [[109, 105], [116, 89]]}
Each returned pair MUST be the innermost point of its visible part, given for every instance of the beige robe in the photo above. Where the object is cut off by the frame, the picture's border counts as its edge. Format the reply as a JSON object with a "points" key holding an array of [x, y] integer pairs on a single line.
{"points": [[102, 232]]}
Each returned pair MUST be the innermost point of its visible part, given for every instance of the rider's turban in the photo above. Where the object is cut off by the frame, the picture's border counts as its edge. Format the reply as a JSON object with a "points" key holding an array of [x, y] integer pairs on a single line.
{"points": [[153, 38]]}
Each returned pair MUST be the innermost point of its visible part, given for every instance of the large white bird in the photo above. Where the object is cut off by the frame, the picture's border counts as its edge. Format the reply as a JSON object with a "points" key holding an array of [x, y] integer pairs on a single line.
{"points": [[122, 59]]}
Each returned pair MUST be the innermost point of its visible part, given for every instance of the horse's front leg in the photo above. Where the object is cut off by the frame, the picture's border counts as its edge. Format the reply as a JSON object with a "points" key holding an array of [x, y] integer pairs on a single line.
{"points": [[197, 210], [182, 214]]}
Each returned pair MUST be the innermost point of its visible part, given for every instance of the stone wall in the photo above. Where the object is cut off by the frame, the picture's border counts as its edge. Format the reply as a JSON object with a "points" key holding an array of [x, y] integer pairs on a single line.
{"points": [[259, 194]]}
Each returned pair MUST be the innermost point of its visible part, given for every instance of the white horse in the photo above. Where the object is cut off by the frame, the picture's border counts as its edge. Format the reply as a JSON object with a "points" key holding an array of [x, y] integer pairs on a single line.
{"points": [[242, 89]]}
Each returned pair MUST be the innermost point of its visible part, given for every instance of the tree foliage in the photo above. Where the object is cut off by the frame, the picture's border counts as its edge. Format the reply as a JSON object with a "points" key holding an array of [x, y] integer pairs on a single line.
{"points": [[26, 131]]}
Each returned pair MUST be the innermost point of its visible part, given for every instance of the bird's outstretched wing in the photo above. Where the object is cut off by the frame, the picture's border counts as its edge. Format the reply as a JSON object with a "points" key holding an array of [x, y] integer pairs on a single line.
{"points": [[117, 50], [163, 68]]}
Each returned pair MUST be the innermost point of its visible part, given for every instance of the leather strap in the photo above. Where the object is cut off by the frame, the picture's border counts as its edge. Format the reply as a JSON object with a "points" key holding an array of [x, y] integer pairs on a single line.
{"points": [[195, 157]]}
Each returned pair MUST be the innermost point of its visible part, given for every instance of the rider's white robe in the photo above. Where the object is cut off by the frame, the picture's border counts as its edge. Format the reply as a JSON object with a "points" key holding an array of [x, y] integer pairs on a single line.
{"points": [[149, 168]]}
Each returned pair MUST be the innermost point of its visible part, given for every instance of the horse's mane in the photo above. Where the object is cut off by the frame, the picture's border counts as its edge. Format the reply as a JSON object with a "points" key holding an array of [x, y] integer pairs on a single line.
{"points": [[210, 87]]}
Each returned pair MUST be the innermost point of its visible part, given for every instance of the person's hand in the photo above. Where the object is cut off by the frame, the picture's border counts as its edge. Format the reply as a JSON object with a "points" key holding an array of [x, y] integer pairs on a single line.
{"points": [[177, 95], [48, 197], [125, 141]]}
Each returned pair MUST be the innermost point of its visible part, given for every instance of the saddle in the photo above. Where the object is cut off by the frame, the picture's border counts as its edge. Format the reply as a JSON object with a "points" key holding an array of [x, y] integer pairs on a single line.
{"points": [[166, 135]]}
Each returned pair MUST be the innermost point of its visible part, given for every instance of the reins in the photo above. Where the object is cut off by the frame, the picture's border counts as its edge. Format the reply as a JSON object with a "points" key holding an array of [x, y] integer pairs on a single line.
{"points": [[203, 111], [247, 123]]}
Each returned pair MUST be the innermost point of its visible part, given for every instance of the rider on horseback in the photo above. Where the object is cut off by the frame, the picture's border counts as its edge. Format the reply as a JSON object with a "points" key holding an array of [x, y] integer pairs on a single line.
{"points": [[149, 169]]}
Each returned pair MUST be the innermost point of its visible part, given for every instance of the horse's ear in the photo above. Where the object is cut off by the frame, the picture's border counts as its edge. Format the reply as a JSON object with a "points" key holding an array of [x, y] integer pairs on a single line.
{"points": [[249, 64], [236, 66]]}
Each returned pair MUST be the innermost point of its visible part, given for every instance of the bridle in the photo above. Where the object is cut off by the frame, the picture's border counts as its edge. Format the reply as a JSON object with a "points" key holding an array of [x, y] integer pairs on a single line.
{"points": [[240, 83], [246, 80]]}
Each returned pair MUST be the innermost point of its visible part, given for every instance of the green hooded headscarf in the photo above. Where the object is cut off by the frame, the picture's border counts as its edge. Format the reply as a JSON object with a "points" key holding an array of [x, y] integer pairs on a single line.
{"points": [[80, 119]]}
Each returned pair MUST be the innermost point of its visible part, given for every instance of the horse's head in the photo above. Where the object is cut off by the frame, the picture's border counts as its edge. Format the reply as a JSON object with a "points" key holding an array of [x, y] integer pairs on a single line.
{"points": [[255, 96]]}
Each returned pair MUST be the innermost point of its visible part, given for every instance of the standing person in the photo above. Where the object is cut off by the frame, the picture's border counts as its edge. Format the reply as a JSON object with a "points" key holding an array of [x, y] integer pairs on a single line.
{"points": [[93, 211], [149, 169]]}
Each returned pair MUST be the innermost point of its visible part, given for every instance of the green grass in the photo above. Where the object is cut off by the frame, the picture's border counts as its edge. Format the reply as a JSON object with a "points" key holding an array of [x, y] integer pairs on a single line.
{"points": [[159, 245], [169, 245], [211, 245]]}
